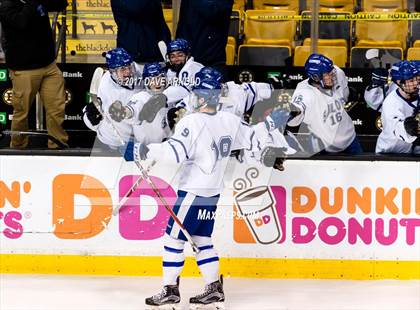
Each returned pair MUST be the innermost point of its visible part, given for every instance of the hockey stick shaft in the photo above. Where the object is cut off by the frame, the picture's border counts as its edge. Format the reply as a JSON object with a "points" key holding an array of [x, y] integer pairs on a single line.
{"points": [[132, 189], [33, 133], [143, 172]]}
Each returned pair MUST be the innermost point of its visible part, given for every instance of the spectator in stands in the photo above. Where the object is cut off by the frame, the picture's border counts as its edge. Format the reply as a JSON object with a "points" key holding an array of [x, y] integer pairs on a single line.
{"points": [[30, 58], [205, 24], [141, 26]]}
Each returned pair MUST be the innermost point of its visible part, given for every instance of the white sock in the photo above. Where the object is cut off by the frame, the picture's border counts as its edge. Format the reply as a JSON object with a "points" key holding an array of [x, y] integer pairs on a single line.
{"points": [[173, 259], [207, 259]]}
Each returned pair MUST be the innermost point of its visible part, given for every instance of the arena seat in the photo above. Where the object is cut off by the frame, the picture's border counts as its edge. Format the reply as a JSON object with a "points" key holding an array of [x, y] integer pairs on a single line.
{"points": [[168, 15], [333, 33], [388, 56], [384, 5], [338, 54], [239, 5], [230, 54], [415, 32], [266, 27], [235, 25], [263, 55], [413, 53], [381, 33], [285, 5], [327, 42], [333, 5]]}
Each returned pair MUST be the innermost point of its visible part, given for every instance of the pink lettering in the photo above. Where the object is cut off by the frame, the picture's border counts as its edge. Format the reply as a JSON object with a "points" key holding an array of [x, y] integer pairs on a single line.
{"points": [[335, 222], [297, 236], [131, 226]]}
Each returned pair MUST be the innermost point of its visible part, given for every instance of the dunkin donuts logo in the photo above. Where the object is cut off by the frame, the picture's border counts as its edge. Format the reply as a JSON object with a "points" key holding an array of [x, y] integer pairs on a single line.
{"points": [[262, 211], [332, 216]]}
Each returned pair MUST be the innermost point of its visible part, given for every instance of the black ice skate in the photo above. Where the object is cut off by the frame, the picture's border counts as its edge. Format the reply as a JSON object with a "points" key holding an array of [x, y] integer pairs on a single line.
{"points": [[212, 298], [168, 298]]}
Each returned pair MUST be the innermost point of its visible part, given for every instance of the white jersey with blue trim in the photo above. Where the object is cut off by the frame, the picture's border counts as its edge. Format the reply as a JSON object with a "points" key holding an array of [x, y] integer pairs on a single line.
{"points": [[202, 142], [181, 83], [239, 98], [109, 92], [342, 85], [236, 98], [145, 132], [394, 138], [323, 111], [375, 96]]}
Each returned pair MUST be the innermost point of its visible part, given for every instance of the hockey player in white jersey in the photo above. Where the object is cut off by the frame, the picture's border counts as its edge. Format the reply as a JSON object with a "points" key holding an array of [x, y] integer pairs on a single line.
{"points": [[319, 103], [181, 71], [118, 84], [235, 98], [400, 118], [379, 88], [154, 126], [202, 142]]}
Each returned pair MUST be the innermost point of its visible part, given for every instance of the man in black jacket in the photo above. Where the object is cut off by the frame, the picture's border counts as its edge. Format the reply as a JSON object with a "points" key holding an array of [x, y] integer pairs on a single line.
{"points": [[141, 26], [205, 25], [30, 58]]}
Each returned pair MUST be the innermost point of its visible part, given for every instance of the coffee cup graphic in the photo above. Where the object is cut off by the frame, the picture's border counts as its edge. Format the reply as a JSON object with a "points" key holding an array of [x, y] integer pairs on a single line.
{"points": [[256, 205]]}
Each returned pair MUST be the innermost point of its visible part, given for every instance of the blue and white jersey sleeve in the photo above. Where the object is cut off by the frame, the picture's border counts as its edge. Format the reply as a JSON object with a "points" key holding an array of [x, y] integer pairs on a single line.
{"points": [[301, 101], [177, 148]]}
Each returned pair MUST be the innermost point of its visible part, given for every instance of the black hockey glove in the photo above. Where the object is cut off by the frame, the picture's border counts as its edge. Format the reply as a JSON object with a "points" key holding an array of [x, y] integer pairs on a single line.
{"points": [[412, 126], [152, 107], [92, 114], [279, 81], [379, 77], [174, 115], [273, 157], [238, 154]]}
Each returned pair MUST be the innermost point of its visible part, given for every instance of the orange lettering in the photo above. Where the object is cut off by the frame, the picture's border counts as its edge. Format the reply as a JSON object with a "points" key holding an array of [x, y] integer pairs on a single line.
{"points": [[386, 199], [406, 201], [337, 200], [11, 194], [297, 205], [65, 187], [364, 201]]}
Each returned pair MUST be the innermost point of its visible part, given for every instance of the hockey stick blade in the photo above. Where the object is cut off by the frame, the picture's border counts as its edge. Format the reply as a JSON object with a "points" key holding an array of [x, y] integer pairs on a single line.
{"points": [[96, 80], [372, 53], [163, 49]]}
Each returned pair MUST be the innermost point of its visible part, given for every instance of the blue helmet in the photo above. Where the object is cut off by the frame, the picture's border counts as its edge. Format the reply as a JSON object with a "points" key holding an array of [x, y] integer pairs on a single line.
{"points": [[208, 88], [179, 45], [208, 73], [118, 57], [153, 69], [316, 65], [403, 71], [416, 64]]}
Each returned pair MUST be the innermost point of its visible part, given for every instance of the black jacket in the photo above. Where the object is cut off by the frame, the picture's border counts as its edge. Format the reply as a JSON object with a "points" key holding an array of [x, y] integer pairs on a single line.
{"points": [[27, 35], [141, 26], [205, 25]]}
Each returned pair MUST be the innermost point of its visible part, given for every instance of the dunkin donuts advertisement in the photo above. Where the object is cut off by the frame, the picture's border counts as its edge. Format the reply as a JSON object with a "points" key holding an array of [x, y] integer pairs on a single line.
{"points": [[312, 210]]}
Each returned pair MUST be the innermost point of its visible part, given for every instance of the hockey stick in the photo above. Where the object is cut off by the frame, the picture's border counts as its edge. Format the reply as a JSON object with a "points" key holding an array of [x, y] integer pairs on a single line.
{"points": [[96, 101], [163, 49], [129, 192], [31, 133]]}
